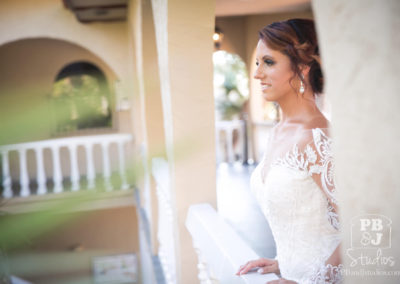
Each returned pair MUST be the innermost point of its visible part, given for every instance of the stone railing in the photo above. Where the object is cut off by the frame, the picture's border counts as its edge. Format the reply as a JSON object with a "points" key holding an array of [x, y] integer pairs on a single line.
{"points": [[220, 250], [149, 273], [72, 144], [230, 149], [165, 227]]}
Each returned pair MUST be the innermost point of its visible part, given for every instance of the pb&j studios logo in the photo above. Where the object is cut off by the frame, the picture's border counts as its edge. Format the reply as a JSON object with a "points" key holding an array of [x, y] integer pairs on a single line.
{"points": [[370, 237]]}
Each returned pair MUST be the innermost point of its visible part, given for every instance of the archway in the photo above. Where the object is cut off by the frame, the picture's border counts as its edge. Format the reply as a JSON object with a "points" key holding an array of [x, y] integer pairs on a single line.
{"points": [[82, 95], [27, 73], [231, 94]]}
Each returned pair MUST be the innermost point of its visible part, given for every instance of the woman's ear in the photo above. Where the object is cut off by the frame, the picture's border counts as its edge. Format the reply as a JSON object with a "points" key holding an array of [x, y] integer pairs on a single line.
{"points": [[304, 69]]}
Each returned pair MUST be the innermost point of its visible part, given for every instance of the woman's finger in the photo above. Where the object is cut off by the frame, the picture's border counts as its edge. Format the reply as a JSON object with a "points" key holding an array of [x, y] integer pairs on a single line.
{"points": [[248, 267], [265, 269], [253, 264], [243, 268]]}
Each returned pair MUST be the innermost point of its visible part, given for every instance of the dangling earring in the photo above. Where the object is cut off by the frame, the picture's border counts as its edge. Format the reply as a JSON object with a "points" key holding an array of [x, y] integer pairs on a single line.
{"points": [[301, 90]]}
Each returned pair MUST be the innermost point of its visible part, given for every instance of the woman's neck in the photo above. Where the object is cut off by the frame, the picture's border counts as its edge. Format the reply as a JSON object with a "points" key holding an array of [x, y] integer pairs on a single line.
{"points": [[298, 109]]}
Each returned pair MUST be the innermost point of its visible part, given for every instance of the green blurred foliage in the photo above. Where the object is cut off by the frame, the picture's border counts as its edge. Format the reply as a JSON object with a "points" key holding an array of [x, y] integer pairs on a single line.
{"points": [[230, 84], [82, 99], [25, 117]]}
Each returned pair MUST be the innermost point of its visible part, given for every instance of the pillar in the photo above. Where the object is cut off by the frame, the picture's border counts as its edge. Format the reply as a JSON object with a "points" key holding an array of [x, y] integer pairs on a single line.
{"points": [[360, 42], [184, 32]]}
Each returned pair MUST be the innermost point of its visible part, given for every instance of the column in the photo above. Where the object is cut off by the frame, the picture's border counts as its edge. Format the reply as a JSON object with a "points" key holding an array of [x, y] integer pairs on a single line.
{"points": [[360, 43], [184, 45]]}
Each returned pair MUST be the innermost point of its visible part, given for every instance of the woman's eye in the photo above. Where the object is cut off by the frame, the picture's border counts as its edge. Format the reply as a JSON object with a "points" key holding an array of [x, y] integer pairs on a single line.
{"points": [[257, 63], [269, 62]]}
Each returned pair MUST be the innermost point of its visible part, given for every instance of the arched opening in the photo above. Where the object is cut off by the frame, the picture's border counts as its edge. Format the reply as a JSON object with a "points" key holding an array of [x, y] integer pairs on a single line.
{"points": [[231, 93], [81, 98], [28, 72]]}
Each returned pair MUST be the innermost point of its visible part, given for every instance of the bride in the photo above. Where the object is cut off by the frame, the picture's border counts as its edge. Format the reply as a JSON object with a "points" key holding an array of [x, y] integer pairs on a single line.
{"points": [[294, 182]]}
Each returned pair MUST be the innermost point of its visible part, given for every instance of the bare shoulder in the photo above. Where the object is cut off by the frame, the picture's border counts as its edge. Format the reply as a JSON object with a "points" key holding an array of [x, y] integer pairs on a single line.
{"points": [[308, 130], [319, 121]]}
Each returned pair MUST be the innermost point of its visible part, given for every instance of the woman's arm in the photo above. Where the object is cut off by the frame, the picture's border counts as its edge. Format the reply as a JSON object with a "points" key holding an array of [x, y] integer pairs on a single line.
{"points": [[322, 171], [330, 272]]}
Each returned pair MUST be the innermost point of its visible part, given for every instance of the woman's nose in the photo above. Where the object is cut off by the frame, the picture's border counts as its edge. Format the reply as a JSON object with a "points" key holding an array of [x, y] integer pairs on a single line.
{"points": [[257, 73]]}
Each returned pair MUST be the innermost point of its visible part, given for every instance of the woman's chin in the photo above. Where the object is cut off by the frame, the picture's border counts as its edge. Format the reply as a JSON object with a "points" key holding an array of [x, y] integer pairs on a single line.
{"points": [[267, 97]]}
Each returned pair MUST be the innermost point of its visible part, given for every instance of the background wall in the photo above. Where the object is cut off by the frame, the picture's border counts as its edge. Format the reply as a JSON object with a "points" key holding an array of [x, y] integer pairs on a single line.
{"points": [[21, 19], [66, 252], [28, 71], [362, 83], [32, 52]]}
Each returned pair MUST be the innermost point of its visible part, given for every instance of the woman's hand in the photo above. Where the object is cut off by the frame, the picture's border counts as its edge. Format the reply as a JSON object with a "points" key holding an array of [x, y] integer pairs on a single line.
{"points": [[265, 265]]}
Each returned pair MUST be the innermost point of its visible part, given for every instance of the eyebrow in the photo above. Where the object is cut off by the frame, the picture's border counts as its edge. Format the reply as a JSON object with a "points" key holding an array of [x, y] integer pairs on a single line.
{"points": [[267, 57]]}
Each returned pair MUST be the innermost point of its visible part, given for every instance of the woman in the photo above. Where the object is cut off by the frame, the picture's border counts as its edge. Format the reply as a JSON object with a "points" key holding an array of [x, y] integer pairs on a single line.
{"points": [[294, 182]]}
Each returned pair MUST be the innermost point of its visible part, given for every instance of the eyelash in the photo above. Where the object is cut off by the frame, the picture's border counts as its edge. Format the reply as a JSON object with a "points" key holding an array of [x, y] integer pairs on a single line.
{"points": [[268, 62]]}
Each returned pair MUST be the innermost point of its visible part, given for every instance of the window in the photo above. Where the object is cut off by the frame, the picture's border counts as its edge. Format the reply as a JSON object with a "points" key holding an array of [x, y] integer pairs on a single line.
{"points": [[231, 89], [80, 99]]}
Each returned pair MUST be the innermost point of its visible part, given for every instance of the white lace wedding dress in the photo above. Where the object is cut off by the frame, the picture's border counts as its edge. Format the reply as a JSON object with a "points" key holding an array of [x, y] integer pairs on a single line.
{"points": [[299, 210]]}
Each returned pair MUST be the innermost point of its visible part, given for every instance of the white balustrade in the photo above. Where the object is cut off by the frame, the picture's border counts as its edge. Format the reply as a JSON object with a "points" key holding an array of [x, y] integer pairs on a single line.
{"points": [[228, 127], [121, 159], [106, 165], [165, 230], [220, 249], [40, 174], [23, 178], [90, 175], [72, 144], [74, 167], [6, 175], [57, 175]]}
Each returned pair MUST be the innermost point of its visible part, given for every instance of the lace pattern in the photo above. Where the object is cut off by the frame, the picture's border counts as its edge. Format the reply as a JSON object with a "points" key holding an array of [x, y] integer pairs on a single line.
{"points": [[326, 274], [316, 160]]}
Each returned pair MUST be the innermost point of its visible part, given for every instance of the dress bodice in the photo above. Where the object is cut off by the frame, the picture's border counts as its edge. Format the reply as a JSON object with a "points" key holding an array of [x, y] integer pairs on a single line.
{"points": [[300, 211]]}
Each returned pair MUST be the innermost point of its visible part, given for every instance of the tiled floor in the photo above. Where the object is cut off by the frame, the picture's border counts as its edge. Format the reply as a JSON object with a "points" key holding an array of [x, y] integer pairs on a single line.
{"points": [[240, 209]]}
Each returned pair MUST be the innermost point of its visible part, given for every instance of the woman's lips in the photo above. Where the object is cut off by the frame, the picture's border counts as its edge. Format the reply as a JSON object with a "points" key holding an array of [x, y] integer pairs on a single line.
{"points": [[265, 87]]}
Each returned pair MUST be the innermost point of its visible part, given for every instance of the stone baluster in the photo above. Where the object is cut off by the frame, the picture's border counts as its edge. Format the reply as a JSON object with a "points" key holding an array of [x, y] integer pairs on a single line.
{"points": [[106, 165], [40, 173], [57, 175], [75, 176], [229, 140], [23, 176], [204, 271], [122, 170], [241, 138], [218, 144], [7, 193], [166, 234], [90, 166]]}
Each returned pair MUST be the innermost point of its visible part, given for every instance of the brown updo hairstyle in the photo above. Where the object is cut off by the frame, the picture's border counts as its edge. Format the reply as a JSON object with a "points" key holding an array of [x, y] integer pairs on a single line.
{"points": [[297, 39]]}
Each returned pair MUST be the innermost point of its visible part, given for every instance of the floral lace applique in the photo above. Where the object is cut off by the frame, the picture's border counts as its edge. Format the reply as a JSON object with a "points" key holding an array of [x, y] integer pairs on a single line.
{"points": [[326, 274], [317, 160], [333, 217]]}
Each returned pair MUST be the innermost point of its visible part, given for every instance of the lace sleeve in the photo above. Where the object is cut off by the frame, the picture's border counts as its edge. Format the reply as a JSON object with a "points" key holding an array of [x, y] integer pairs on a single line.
{"points": [[326, 274], [321, 167]]}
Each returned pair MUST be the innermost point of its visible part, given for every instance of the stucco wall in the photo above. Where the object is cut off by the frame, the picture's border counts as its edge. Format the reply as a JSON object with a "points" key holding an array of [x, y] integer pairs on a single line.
{"points": [[47, 18], [360, 62], [65, 253], [37, 39], [183, 34], [28, 71]]}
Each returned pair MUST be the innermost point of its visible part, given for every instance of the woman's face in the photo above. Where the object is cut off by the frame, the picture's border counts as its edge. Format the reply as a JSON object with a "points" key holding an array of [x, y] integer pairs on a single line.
{"points": [[274, 72]]}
